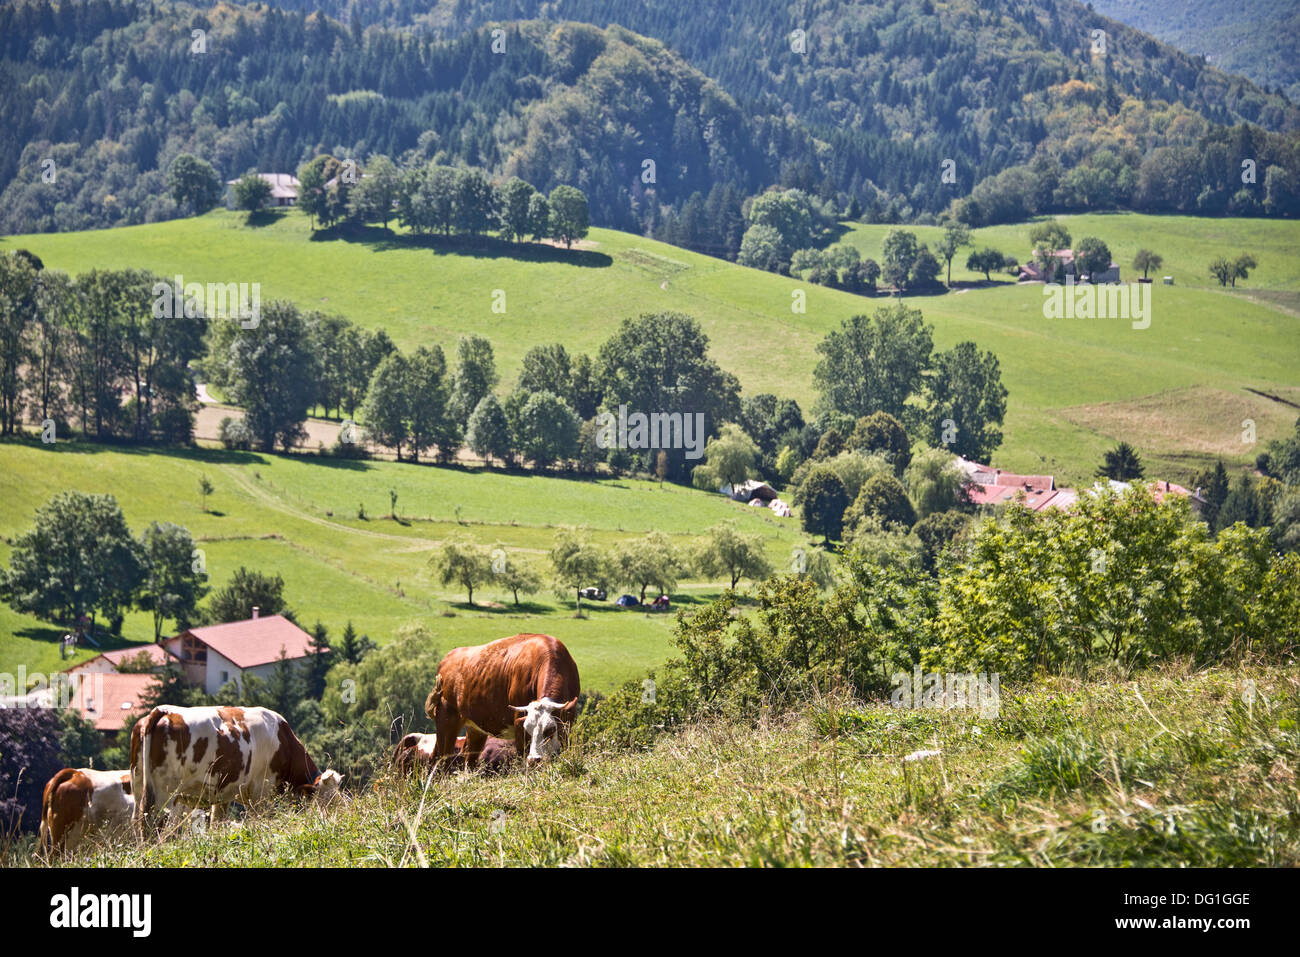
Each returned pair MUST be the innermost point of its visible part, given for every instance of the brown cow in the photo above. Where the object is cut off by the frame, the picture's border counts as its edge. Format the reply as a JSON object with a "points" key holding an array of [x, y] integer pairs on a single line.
{"points": [[478, 688], [79, 800], [215, 755]]}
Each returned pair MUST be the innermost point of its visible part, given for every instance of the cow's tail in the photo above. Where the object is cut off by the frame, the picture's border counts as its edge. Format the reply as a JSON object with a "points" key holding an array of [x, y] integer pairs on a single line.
{"points": [[140, 751], [47, 808]]}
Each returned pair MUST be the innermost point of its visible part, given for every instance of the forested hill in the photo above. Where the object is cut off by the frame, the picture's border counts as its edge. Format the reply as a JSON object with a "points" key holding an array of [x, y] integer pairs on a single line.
{"points": [[1008, 95], [1259, 39]]}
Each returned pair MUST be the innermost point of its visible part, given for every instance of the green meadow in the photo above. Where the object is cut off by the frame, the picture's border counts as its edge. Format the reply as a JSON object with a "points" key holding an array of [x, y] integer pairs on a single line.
{"points": [[1179, 390], [297, 516]]}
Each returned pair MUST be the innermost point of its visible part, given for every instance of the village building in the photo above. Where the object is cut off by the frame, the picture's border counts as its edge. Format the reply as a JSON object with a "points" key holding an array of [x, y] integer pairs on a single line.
{"points": [[214, 655]]}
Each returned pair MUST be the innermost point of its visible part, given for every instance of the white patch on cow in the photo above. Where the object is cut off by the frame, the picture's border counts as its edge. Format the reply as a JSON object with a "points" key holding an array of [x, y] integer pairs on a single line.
{"points": [[542, 726], [426, 743]]}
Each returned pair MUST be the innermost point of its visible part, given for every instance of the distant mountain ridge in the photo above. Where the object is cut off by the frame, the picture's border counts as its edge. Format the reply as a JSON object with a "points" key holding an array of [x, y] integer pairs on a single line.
{"points": [[893, 111]]}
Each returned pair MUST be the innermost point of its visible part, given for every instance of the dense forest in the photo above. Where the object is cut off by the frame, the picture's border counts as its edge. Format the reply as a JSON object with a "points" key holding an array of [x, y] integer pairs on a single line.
{"points": [[892, 112]]}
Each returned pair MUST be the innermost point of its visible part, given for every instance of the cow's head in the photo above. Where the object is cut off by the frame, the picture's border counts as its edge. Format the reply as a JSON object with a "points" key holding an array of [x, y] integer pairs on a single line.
{"points": [[326, 786], [546, 723]]}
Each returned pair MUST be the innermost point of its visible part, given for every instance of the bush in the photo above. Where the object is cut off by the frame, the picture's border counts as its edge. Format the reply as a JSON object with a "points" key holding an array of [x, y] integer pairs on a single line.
{"points": [[234, 434]]}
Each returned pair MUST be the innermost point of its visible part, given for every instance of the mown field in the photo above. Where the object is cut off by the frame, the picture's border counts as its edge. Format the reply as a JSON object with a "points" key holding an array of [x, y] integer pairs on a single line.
{"points": [[297, 516], [1178, 390], [1172, 769]]}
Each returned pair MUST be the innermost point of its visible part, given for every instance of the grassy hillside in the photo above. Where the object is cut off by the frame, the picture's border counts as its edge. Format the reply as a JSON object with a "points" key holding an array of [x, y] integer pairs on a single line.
{"points": [[297, 516], [1171, 770], [1178, 390]]}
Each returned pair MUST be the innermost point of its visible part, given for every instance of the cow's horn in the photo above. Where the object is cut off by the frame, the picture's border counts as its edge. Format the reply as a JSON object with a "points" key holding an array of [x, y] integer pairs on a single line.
{"points": [[519, 707]]}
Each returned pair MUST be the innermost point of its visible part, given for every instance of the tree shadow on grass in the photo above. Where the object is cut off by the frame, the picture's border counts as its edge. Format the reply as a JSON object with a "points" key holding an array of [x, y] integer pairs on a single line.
{"points": [[477, 247], [265, 217]]}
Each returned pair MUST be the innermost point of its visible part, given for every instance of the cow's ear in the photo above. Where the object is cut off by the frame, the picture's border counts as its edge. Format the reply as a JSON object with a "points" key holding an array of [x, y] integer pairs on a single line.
{"points": [[570, 710]]}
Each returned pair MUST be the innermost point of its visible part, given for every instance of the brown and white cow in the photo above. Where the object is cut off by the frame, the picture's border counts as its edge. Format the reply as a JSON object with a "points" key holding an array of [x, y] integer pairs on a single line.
{"points": [[211, 756], [416, 752], [528, 683], [80, 800]]}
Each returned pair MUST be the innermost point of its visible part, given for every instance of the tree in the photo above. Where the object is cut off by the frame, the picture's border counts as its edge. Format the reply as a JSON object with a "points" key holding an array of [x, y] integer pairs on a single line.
{"points": [[732, 554], [578, 564], [1146, 260], [463, 563], [78, 558], [1223, 270], [427, 399], [1046, 239], [900, 253], [660, 363], [251, 192], [967, 401], [881, 432], [515, 575], [476, 203], [18, 311], [173, 582], [193, 183], [311, 189], [935, 483], [823, 503], [1121, 464], [205, 489], [761, 248], [475, 376], [539, 216], [937, 531], [386, 411], [568, 214], [729, 459], [649, 560], [955, 235], [268, 367], [548, 430], [246, 590], [1092, 256], [985, 261], [514, 199], [1241, 267], [884, 498], [352, 648], [488, 434], [874, 364], [925, 269], [375, 195]]}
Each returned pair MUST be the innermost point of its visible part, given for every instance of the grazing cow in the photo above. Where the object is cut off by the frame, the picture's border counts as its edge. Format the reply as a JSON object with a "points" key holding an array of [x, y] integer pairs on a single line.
{"points": [[79, 800], [497, 756], [415, 752], [216, 755], [478, 688]]}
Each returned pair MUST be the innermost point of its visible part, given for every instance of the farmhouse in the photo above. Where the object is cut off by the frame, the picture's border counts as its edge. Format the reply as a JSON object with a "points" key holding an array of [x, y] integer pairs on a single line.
{"points": [[1043, 272], [110, 662], [284, 189], [213, 655], [991, 486]]}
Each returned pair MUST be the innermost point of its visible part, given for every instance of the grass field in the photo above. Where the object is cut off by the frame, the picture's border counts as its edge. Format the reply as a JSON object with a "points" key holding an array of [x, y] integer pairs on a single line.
{"points": [[298, 516], [1173, 769], [1076, 386]]}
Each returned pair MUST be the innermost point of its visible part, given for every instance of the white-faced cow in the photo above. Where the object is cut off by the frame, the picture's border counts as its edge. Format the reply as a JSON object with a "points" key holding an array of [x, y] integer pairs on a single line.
{"points": [[525, 683], [212, 756], [80, 800]]}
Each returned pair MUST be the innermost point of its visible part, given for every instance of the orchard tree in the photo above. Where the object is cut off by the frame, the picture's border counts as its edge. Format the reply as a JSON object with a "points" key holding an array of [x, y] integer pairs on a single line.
{"points": [[488, 434], [732, 554], [386, 410], [463, 563], [374, 197], [1146, 260], [1092, 256], [578, 564], [246, 590], [514, 199], [955, 235], [985, 261], [251, 192], [475, 376], [651, 560], [548, 430]]}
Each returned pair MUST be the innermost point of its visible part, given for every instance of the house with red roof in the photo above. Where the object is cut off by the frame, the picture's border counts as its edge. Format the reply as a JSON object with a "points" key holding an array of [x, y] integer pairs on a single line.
{"points": [[110, 662], [214, 655]]}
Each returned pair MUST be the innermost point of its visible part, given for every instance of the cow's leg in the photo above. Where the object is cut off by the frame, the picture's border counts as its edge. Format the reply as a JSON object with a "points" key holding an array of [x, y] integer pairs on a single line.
{"points": [[447, 724], [474, 741], [521, 742]]}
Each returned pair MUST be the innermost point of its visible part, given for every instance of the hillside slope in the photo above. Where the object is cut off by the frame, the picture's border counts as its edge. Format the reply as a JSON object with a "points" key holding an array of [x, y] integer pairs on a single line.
{"points": [[1059, 373]]}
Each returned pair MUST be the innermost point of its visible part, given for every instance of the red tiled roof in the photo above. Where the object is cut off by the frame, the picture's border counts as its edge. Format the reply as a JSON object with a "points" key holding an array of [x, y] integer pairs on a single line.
{"points": [[109, 700], [257, 641], [158, 656]]}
